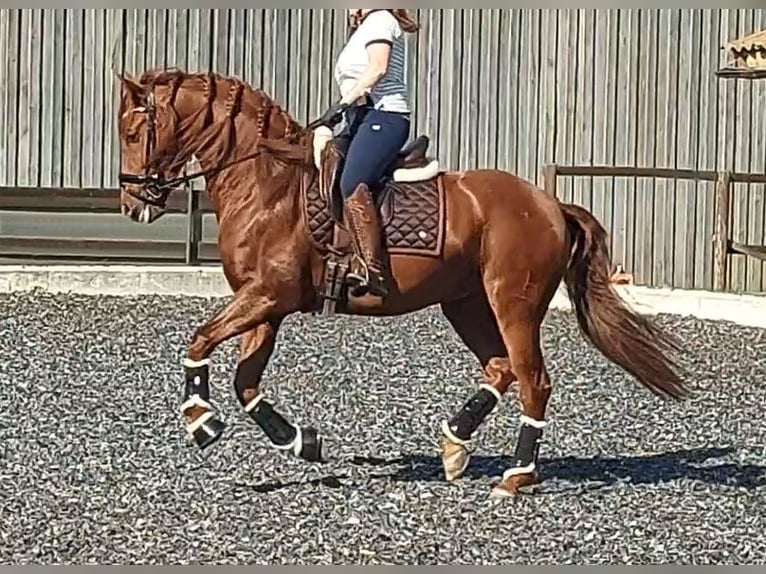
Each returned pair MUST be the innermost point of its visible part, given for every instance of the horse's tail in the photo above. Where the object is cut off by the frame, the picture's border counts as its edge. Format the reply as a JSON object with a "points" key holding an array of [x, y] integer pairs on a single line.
{"points": [[624, 337]]}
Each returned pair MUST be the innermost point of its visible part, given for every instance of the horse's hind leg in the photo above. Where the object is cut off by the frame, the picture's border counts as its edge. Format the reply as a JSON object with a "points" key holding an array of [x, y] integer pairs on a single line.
{"points": [[474, 322], [519, 319]]}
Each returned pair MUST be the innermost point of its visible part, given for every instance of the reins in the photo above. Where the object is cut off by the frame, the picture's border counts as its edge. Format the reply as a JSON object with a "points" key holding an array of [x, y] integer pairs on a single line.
{"points": [[158, 183]]}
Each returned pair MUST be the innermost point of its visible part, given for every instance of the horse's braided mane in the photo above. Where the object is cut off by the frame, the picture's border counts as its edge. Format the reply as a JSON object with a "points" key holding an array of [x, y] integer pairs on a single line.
{"points": [[217, 140]]}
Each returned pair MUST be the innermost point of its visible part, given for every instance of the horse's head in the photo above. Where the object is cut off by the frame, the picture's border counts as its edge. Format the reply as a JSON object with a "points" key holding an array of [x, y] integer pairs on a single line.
{"points": [[148, 132], [168, 117]]}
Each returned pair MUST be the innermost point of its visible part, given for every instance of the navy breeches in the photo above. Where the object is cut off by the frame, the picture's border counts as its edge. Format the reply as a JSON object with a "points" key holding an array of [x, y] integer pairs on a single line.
{"points": [[376, 139]]}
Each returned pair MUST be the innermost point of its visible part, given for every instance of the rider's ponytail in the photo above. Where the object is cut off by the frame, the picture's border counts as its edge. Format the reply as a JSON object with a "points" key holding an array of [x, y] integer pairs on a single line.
{"points": [[407, 22]]}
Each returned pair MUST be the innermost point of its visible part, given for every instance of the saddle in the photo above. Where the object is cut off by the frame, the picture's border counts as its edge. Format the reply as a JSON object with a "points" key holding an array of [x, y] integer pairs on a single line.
{"points": [[409, 198], [411, 157]]}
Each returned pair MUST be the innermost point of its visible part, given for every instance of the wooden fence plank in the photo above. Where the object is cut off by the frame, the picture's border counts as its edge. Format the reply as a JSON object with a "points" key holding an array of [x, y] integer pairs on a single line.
{"points": [[11, 134], [727, 109], [546, 132], [706, 148], [625, 149], [55, 101], [584, 113], [430, 74], [73, 98], [667, 102], [28, 159], [91, 126], [756, 275], [646, 144], [5, 72], [469, 111], [299, 82], [114, 64], [685, 217], [451, 72], [604, 112], [567, 93], [740, 159]]}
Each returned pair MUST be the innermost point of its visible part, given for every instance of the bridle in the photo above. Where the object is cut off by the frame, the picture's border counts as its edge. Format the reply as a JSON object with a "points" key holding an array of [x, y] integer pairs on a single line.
{"points": [[154, 184], [156, 187]]}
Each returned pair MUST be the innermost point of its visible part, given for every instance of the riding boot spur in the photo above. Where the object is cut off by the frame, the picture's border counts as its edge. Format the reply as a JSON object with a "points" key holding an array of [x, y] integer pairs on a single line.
{"points": [[364, 226]]}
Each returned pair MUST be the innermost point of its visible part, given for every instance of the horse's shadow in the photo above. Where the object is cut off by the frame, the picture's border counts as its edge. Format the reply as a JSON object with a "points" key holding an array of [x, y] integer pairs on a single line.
{"points": [[571, 473]]}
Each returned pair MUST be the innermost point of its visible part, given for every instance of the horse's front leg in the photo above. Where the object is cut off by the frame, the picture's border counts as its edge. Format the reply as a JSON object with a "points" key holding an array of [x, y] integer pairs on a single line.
{"points": [[251, 306], [255, 352]]}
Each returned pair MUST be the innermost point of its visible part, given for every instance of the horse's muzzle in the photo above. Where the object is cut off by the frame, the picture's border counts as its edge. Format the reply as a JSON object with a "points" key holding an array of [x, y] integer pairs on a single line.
{"points": [[139, 211]]}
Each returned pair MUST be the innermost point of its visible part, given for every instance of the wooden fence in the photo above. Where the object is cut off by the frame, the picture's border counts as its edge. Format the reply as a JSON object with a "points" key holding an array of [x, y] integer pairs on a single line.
{"points": [[193, 204], [721, 246], [506, 88]]}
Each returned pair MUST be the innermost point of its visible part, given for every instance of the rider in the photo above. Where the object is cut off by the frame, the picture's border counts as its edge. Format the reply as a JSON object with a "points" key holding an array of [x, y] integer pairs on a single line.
{"points": [[370, 72]]}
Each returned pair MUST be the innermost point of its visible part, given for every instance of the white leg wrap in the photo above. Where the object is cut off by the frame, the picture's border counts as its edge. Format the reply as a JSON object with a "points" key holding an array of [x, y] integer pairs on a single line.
{"points": [[492, 390], [191, 427], [188, 363], [298, 442], [250, 407], [530, 468], [450, 436], [532, 422], [196, 401], [297, 445]]}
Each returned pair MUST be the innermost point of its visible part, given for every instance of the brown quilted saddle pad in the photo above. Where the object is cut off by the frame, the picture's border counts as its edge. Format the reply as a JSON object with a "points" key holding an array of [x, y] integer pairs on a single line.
{"points": [[412, 216]]}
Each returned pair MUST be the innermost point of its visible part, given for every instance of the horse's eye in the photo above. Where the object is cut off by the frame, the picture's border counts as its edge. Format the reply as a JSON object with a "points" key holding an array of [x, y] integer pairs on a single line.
{"points": [[132, 137]]}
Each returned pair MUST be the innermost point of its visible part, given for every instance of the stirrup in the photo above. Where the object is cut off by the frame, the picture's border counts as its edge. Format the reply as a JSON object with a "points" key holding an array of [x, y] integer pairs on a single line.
{"points": [[360, 282], [361, 285]]}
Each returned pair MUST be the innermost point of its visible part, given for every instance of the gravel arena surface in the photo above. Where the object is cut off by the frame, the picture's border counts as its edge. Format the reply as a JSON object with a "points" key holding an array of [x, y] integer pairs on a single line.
{"points": [[95, 467]]}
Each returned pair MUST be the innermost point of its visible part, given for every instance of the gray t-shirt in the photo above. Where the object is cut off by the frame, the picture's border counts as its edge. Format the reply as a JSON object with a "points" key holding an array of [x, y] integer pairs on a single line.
{"points": [[390, 93]]}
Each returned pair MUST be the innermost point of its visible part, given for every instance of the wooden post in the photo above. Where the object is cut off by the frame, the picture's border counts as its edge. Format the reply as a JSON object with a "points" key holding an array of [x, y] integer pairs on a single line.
{"points": [[721, 241], [550, 173]]}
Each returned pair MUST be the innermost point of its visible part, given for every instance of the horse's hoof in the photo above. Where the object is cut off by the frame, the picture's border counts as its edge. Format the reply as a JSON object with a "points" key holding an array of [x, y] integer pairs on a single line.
{"points": [[208, 433], [311, 448], [516, 485], [455, 459], [501, 491]]}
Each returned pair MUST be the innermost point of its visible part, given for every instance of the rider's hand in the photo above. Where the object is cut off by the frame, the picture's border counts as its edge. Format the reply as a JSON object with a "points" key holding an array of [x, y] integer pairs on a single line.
{"points": [[332, 116]]}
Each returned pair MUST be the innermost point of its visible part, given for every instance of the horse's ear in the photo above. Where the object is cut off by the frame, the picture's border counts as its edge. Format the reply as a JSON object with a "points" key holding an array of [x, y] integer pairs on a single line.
{"points": [[131, 88]]}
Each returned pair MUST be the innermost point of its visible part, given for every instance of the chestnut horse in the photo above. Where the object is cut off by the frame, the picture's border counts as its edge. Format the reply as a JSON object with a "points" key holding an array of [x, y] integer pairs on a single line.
{"points": [[486, 246]]}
